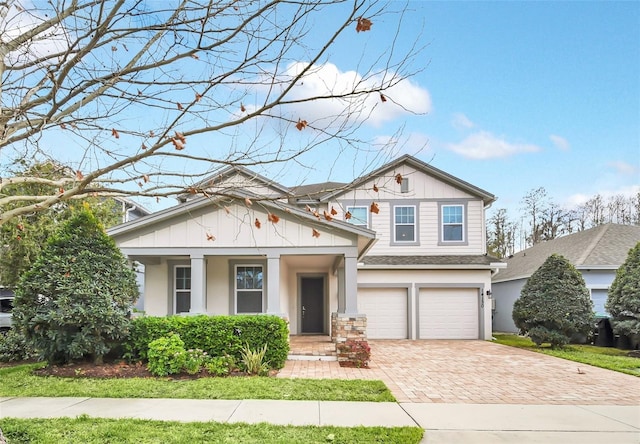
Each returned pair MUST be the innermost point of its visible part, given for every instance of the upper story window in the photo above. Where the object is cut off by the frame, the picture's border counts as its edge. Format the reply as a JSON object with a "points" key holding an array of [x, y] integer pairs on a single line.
{"points": [[404, 223], [359, 216], [182, 289], [248, 289], [452, 223]]}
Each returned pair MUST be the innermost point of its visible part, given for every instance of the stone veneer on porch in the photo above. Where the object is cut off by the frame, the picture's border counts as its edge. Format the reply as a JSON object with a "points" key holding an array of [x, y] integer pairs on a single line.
{"points": [[345, 326]]}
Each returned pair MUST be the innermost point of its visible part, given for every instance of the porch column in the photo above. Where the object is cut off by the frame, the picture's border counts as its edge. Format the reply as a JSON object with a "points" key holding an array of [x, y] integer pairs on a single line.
{"points": [[198, 285], [273, 285], [351, 284], [341, 290]]}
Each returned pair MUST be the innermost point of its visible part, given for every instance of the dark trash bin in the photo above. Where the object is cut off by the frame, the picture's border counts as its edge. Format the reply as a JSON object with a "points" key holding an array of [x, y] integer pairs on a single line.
{"points": [[605, 337]]}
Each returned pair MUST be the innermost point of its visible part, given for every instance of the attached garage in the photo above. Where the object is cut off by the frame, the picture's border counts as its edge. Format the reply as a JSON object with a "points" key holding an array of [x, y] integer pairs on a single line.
{"points": [[386, 310], [448, 313]]}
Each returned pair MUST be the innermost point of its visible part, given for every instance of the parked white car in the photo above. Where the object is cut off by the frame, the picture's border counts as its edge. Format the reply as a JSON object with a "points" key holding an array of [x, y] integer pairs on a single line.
{"points": [[6, 306]]}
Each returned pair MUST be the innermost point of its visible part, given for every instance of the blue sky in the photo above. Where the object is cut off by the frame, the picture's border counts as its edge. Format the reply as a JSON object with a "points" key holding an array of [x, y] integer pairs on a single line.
{"points": [[509, 96], [522, 95]]}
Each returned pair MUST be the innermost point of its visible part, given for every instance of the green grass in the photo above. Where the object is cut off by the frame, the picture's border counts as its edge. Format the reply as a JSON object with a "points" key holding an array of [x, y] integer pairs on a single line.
{"points": [[604, 357], [19, 381], [85, 430]]}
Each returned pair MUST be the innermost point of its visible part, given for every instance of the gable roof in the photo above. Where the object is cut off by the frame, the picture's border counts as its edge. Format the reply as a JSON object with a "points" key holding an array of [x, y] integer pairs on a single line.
{"points": [[224, 173], [427, 169], [602, 247], [239, 195]]}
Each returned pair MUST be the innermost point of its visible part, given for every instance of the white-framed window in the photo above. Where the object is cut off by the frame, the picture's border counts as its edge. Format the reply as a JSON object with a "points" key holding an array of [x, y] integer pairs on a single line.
{"points": [[452, 223], [181, 289], [359, 216], [248, 288], [404, 223]]}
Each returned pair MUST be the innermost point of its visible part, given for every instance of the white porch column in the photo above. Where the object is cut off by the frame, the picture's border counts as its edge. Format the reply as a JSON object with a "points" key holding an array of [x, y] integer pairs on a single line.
{"points": [[273, 285], [351, 284], [198, 285], [341, 290]]}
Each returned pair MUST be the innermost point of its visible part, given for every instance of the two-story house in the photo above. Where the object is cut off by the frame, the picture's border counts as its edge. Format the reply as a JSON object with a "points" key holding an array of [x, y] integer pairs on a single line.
{"points": [[403, 247]]}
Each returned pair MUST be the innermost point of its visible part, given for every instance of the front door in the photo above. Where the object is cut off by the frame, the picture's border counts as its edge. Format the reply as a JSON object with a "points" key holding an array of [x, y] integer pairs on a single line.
{"points": [[312, 304]]}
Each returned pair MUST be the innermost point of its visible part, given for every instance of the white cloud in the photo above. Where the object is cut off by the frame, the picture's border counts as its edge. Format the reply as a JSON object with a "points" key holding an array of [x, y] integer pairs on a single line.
{"points": [[403, 98], [413, 144], [484, 145], [53, 40], [578, 199], [560, 142], [623, 167], [461, 122]]}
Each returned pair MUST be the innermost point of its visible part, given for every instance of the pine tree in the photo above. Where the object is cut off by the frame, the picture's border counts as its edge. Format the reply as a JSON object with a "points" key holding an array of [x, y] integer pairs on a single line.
{"points": [[554, 305], [623, 302]]}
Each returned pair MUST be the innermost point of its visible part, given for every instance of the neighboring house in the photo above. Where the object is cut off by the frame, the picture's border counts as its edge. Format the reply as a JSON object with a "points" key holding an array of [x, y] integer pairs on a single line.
{"points": [[596, 253], [411, 258]]}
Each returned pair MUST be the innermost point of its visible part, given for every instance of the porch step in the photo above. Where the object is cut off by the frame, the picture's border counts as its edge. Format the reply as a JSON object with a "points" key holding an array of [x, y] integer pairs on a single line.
{"points": [[311, 358]]}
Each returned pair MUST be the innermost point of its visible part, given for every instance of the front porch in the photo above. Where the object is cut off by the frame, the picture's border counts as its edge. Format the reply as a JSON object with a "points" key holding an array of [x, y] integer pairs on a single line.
{"points": [[311, 348]]}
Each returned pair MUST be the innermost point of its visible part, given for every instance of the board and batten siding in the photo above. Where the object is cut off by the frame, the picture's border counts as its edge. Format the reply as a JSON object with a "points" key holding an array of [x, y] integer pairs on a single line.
{"points": [[233, 229]]}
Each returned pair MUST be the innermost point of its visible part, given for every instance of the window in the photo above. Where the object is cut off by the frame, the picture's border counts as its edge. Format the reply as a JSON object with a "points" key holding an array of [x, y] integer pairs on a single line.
{"points": [[248, 289], [182, 289], [405, 224], [452, 223], [359, 216]]}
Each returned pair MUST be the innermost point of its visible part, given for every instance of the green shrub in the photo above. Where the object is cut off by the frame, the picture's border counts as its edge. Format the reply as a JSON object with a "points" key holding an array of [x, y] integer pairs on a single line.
{"points": [[220, 365], [14, 347], [623, 300], [76, 299], [194, 360], [216, 335], [166, 355], [253, 360], [554, 305]]}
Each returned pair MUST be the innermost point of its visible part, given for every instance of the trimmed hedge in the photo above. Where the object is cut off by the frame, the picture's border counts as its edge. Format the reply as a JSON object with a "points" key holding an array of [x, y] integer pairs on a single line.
{"points": [[216, 335]]}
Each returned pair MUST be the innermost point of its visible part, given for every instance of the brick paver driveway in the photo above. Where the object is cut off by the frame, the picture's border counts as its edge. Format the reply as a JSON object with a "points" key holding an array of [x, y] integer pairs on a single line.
{"points": [[479, 372]]}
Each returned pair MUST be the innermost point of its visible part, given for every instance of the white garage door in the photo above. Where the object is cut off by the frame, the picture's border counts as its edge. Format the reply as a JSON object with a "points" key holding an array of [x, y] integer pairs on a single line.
{"points": [[386, 310], [448, 313]]}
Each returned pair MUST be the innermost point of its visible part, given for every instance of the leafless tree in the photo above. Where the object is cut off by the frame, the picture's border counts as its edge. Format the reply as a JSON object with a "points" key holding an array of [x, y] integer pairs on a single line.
{"points": [[148, 97], [501, 234]]}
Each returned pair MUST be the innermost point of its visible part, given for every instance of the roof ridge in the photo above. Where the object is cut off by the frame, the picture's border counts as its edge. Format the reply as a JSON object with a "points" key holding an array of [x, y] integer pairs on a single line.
{"points": [[594, 242]]}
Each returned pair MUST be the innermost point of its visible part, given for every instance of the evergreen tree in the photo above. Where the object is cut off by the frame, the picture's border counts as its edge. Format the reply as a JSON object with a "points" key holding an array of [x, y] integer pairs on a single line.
{"points": [[554, 304], [76, 299], [623, 302]]}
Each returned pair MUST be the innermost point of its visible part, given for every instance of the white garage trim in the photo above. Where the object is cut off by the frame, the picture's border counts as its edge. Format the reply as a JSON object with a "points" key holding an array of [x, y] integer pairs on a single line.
{"points": [[387, 308], [449, 312]]}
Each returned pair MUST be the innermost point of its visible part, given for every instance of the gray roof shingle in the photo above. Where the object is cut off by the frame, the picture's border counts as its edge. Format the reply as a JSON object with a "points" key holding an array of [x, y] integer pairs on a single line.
{"points": [[428, 260], [605, 246]]}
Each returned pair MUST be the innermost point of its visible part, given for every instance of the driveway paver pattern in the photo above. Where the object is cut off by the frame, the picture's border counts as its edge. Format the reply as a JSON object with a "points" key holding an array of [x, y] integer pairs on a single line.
{"points": [[478, 372]]}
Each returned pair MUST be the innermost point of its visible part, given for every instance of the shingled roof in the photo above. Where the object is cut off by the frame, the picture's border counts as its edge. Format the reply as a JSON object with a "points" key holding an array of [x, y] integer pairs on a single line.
{"points": [[400, 261], [602, 247]]}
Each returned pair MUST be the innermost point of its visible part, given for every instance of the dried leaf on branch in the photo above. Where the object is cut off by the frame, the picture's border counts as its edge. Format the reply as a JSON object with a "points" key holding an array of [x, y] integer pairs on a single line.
{"points": [[302, 124], [115, 133], [257, 223], [399, 179], [273, 218], [363, 24], [315, 233], [210, 237], [374, 208], [333, 211]]}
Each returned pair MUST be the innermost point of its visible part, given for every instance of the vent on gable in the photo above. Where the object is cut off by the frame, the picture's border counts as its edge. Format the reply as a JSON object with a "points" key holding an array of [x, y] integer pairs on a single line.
{"points": [[404, 187]]}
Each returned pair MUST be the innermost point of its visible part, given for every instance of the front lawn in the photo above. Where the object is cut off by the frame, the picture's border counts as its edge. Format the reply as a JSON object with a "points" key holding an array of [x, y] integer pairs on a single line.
{"points": [[19, 381], [604, 357], [85, 430]]}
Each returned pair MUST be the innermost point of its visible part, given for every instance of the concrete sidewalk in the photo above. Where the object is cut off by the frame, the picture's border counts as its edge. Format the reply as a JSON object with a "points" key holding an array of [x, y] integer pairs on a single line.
{"points": [[444, 423]]}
